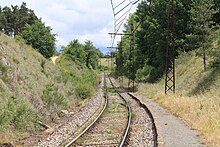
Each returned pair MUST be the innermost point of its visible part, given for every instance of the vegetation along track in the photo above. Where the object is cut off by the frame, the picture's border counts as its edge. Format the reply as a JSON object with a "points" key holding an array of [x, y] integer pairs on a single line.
{"points": [[78, 123], [143, 130], [112, 127]]}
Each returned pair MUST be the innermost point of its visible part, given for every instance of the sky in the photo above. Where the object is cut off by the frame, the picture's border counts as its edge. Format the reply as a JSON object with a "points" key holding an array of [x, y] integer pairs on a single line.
{"points": [[75, 19]]}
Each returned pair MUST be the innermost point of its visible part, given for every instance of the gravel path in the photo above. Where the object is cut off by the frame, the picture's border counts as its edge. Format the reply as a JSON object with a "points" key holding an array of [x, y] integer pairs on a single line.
{"points": [[110, 127], [172, 132], [77, 121]]}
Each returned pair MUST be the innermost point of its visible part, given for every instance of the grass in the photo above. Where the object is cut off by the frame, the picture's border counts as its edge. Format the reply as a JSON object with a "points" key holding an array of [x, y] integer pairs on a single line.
{"points": [[106, 62], [33, 88], [196, 99]]}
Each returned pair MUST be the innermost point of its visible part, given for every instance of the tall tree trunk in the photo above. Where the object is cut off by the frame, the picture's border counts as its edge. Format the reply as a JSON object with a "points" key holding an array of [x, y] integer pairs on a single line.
{"points": [[204, 58]]}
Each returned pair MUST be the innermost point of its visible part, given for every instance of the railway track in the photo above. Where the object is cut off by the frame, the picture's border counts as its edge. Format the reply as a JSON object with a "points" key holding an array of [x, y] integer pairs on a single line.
{"points": [[143, 132], [112, 127], [123, 121]]}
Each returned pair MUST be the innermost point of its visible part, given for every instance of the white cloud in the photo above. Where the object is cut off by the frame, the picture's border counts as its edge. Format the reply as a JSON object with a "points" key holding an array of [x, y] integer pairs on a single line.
{"points": [[74, 19]]}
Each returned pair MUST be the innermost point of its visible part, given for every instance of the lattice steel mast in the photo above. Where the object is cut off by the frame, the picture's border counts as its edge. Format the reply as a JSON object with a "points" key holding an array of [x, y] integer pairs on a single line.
{"points": [[170, 51]]}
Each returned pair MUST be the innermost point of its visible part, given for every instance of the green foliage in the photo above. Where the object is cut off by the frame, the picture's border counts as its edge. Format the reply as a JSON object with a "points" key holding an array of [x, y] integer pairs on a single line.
{"points": [[83, 53], [201, 31], [92, 55], [143, 74], [195, 23], [215, 51], [3, 68], [18, 115], [76, 51], [40, 38], [42, 64], [15, 60], [84, 90], [52, 97], [85, 86], [84, 79], [19, 39], [14, 18]]}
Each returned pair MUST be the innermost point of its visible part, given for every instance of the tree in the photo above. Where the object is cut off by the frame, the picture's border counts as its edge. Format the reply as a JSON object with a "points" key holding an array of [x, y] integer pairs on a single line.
{"points": [[7, 20], [201, 24], [84, 53], [216, 16], [14, 18], [40, 37], [92, 55], [75, 50], [1, 19]]}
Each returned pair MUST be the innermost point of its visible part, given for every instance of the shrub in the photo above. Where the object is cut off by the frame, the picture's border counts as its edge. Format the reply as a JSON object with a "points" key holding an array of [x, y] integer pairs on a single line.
{"points": [[52, 97], [3, 69], [17, 114], [84, 90], [143, 74]]}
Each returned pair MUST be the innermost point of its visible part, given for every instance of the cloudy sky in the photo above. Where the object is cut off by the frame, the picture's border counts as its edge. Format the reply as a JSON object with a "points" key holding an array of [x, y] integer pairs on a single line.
{"points": [[75, 19]]}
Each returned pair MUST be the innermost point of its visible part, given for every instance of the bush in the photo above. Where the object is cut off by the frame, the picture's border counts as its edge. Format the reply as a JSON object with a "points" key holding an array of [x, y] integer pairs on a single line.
{"points": [[84, 90], [3, 69], [51, 96], [18, 114], [143, 74]]}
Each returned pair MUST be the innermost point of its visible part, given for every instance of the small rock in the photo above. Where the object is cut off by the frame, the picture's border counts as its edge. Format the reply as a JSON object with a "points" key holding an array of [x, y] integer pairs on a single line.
{"points": [[49, 130], [65, 112], [71, 113], [7, 145]]}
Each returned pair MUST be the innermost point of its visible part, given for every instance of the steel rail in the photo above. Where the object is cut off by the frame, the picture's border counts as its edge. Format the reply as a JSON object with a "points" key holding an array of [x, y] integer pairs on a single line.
{"points": [[88, 127], [122, 142], [154, 128]]}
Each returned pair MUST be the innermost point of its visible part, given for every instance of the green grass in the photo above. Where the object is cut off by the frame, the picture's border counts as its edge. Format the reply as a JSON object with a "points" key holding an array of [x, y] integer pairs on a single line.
{"points": [[85, 80]]}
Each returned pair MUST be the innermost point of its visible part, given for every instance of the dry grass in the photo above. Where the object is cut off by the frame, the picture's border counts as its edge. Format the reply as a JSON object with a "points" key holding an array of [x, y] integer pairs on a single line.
{"points": [[197, 99], [107, 62]]}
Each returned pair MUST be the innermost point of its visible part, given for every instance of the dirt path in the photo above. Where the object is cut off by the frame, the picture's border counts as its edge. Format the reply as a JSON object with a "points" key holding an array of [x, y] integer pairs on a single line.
{"points": [[53, 59], [172, 132]]}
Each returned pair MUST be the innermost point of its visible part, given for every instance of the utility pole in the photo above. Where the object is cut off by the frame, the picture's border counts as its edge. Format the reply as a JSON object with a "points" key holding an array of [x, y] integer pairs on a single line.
{"points": [[131, 60], [120, 62], [131, 72], [170, 51]]}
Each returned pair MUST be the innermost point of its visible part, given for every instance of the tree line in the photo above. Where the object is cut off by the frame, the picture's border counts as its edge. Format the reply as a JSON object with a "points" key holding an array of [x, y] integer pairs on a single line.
{"points": [[196, 27], [86, 53], [23, 23]]}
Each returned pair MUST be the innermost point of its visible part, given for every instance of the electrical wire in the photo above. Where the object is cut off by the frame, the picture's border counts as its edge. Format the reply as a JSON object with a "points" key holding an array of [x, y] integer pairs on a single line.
{"points": [[119, 19]]}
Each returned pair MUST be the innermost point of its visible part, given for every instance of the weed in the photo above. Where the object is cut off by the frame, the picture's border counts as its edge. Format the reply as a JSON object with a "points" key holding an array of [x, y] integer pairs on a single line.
{"points": [[79, 141], [3, 68], [17, 114], [2, 89], [42, 64], [51, 96], [15, 60], [84, 90]]}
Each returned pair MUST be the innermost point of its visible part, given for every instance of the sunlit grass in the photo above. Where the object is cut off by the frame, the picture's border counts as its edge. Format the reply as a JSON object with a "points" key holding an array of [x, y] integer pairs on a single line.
{"points": [[197, 97]]}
